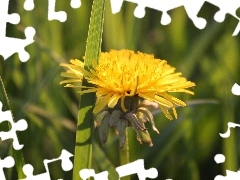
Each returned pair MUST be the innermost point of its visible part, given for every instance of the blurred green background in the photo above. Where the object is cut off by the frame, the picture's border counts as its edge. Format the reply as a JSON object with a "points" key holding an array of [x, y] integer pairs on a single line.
{"points": [[185, 148]]}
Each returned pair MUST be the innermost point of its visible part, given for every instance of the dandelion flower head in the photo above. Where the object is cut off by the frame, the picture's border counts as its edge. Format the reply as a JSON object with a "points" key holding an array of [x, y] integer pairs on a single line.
{"points": [[121, 79], [120, 74]]}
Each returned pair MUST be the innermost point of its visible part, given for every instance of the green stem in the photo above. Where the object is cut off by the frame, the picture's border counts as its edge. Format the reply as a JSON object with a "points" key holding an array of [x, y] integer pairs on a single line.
{"points": [[230, 149], [17, 155], [124, 155], [83, 147]]}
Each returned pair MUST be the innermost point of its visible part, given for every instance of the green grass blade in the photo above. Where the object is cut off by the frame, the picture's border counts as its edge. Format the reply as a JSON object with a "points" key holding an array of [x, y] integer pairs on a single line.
{"points": [[17, 155], [83, 147], [104, 162], [94, 40]]}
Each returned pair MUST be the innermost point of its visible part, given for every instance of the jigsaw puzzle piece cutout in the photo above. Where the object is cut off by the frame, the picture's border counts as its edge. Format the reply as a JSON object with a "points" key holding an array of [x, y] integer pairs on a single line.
{"points": [[28, 171], [7, 162], [75, 4], [140, 12], [137, 167], [207, 11], [87, 173], [228, 132], [235, 23], [15, 45], [28, 5], [192, 9], [20, 125], [227, 11], [116, 5], [53, 15], [9, 45], [13, 18], [237, 30], [230, 175], [60, 15], [66, 165], [236, 89], [212, 10], [225, 7], [219, 158], [229, 17]]}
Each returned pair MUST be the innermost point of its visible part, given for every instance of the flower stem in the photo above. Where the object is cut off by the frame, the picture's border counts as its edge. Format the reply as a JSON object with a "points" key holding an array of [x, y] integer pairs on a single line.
{"points": [[83, 146], [17, 155], [124, 155]]}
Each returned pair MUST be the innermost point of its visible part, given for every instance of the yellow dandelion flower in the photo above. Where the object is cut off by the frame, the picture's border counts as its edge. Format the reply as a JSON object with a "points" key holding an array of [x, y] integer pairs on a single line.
{"points": [[122, 76]]}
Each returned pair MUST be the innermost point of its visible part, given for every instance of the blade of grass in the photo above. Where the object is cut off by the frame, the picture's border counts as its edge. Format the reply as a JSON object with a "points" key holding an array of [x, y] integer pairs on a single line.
{"points": [[83, 147], [229, 144], [17, 155], [104, 162], [200, 46]]}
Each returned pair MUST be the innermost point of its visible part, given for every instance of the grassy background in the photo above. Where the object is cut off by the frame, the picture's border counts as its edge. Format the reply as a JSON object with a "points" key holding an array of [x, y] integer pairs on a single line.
{"points": [[186, 147]]}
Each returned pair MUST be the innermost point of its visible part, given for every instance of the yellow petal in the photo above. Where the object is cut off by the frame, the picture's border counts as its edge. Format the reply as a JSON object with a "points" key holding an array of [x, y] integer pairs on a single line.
{"points": [[87, 91], [173, 99], [70, 81], [166, 113], [101, 103], [159, 100], [174, 112], [122, 104], [113, 100]]}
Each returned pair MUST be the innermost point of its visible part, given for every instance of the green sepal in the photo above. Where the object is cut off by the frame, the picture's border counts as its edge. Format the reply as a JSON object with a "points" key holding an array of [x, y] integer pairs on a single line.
{"points": [[116, 114], [121, 127], [104, 129], [149, 117]]}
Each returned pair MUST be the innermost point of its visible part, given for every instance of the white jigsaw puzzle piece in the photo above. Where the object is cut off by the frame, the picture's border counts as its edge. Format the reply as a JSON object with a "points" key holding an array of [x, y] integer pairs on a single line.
{"points": [[75, 4], [29, 5], [20, 125], [66, 165], [236, 89], [227, 7], [28, 171], [137, 167], [230, 175], [52, 14], [159, 5], [230, 125], [219, 158], [87, 173], [192, 9], [7, 162], [9, 45]]}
